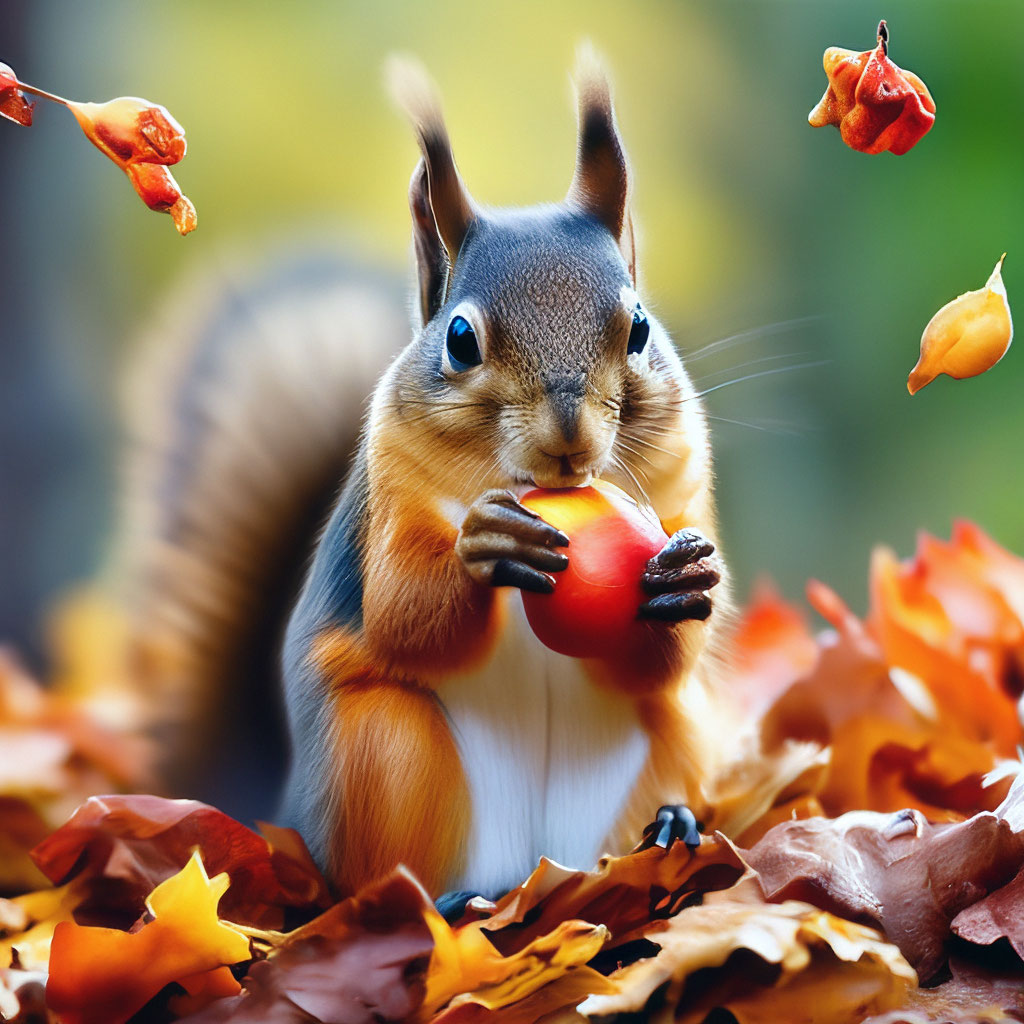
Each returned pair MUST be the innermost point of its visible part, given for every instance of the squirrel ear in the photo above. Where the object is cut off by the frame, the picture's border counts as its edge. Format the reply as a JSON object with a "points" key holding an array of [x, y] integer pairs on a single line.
{"points": [[600, 185], [431, 257], [451, 205]]}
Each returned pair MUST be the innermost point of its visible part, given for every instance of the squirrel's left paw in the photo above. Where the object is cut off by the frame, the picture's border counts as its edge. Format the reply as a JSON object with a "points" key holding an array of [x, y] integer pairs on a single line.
{"points": [[679, 577]]}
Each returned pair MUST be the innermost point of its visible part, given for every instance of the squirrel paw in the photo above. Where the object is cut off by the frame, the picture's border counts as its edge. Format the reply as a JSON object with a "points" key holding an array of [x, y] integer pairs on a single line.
{"points": [[679, 577], [674, 821], [503, 544]]}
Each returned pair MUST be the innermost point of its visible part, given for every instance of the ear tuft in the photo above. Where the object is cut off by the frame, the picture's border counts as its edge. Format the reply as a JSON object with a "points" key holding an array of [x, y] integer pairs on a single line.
{"points": [[415, 93], [600, 185]]}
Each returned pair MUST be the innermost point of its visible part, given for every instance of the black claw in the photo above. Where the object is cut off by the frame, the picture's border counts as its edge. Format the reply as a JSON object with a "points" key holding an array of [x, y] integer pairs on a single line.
{"points": [[674, 822], [682, 606], [683, 547], [519, 521], [690, 578], [452, 905], [508, 573]]}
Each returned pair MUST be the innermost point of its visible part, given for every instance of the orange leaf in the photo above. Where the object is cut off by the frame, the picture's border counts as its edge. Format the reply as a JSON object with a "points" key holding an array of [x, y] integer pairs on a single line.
{"points": [[876, 105], [968, 336], [103, 976]]}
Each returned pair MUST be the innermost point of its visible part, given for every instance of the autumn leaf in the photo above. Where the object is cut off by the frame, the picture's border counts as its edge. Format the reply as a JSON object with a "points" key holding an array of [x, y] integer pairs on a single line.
{"points": [[907, 876], [622, 893], [103, 976], [13, 104], [876, 105], [133, 843], [968, 336], [362, 961], [141, 137], [761, 962], [975, 994]]}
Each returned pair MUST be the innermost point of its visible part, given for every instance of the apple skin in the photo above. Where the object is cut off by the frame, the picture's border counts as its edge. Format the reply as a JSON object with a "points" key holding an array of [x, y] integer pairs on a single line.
{"points": [[593, 610]]}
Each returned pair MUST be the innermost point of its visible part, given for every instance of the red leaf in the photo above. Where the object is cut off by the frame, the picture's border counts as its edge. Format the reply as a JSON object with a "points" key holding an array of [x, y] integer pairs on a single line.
{"points": [[133, 843], [13, 104]]}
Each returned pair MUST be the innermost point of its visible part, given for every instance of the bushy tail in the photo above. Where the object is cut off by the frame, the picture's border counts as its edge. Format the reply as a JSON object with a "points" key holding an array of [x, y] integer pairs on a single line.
{"points": [[243, 413]]}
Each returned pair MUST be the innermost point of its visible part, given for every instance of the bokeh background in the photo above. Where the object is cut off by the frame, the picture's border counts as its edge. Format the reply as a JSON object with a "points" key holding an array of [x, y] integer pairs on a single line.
{"points": [[749, 218]]}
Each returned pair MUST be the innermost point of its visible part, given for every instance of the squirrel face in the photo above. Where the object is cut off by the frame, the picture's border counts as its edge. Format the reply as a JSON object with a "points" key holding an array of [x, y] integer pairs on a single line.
{"points": [[554, 355], [536, 364]]}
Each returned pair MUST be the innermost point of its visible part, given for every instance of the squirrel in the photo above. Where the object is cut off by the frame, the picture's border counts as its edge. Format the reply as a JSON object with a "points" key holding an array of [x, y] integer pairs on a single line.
{"points": [[428, 726]]}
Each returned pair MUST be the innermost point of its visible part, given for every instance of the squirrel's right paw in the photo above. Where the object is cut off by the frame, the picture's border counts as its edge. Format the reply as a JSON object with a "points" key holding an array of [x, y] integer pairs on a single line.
{"points": [[503, 544]]}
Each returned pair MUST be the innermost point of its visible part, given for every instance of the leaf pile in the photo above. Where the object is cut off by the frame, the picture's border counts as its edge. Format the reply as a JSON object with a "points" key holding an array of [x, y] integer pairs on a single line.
{"points": [[864, 870]]}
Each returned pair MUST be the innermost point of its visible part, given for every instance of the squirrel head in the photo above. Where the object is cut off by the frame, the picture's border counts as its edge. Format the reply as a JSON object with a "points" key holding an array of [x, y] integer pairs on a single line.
{"points": [[535, 353]]}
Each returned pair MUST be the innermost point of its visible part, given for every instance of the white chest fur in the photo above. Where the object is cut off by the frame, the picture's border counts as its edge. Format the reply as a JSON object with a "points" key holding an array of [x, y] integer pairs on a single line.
{"points": [[549, 757]]}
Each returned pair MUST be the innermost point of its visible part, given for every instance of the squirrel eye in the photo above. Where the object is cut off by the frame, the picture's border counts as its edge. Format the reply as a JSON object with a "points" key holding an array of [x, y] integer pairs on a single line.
{"points": [[639, 332], [463, 349]]}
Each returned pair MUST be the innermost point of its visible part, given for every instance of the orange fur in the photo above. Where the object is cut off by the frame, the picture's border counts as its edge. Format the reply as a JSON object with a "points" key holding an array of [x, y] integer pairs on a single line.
{"points": [[422, 614], [674, 772], [400, 795]]}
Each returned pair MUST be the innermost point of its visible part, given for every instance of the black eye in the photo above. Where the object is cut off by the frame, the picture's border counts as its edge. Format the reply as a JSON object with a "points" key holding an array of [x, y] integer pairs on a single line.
{"points": [[639, 332], [463, 350]]}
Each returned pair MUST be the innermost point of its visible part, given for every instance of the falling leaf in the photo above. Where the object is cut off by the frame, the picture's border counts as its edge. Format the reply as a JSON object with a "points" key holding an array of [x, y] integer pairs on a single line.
{"points": [[133, 843], [876, 105], [103, 976], [142, 139], [13, 104], [968, 336]]}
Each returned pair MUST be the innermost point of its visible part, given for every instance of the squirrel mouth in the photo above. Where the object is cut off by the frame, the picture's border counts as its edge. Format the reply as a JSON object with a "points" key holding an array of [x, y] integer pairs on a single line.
{"points": [[561, 473]]}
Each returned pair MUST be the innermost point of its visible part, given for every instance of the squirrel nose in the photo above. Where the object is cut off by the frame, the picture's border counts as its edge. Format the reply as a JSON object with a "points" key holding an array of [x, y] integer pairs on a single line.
{"points": [[566, 400]]}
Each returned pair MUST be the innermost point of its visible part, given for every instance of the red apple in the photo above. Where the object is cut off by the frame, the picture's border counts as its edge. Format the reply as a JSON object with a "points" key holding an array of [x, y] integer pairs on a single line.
{"points": [[593, 609]]}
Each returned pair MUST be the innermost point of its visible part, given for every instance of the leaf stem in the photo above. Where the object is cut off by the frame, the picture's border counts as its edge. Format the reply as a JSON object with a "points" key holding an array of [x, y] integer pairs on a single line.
{"points": [[883, 37], [25, 87]]}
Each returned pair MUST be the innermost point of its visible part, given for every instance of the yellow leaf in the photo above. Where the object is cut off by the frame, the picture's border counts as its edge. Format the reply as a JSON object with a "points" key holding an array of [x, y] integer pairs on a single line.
{"points": [[967, 336]]}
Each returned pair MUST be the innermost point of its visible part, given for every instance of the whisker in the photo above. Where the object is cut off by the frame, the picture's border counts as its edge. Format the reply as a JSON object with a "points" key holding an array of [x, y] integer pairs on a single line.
{"points": [[761, 373], [766, 330], [641, 495], [650, 444], [756, 426], [752, 362]]}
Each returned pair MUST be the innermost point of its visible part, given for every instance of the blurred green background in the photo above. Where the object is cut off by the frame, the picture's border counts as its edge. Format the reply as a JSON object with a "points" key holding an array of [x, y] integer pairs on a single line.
{"points": [[748, 218]]}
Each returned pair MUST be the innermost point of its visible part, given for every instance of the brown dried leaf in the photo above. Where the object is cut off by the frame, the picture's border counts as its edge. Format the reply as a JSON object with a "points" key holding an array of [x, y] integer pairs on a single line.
{"points": [[761, 962], [130, 844], [898, 872], [622, 893], [973, 995], [362, 961], [1000, 915]]}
